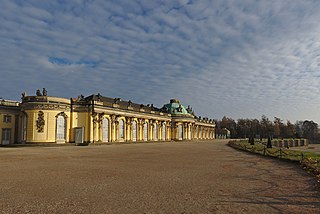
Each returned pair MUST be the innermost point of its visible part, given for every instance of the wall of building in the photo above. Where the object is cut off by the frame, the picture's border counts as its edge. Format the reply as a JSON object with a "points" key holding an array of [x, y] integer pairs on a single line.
{"points": [[57, 120], [9, 118], [46, 133], [5, 125]]}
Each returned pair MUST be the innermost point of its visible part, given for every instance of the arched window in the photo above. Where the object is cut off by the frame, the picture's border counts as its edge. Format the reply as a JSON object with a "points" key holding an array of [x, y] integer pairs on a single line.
{"points": [[105, 130], [180, 132], [145, 131], [155, 131], [61, 128], [164, 132], [121, 130], [134, 130]]}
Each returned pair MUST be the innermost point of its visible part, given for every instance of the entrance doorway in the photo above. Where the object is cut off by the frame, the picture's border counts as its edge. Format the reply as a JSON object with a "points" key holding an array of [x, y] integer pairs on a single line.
{"points": [[6, 136], [61, 129]]}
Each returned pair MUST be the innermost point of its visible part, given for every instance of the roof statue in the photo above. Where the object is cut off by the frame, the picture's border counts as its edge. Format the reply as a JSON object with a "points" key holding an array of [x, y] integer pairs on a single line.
{"points": [[38, 93]]}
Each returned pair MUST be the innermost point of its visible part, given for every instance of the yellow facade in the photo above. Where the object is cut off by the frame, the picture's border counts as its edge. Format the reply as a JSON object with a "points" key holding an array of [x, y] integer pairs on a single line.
{"points": [[9, 115], [98, 119]]}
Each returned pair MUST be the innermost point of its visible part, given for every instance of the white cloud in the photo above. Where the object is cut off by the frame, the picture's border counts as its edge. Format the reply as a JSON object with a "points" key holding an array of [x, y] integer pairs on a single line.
{"points": [[237, 58]]}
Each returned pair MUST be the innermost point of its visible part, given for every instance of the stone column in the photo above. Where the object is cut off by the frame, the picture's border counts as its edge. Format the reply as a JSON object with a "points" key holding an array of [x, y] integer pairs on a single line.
{"points": [[94, 123], [113, 126], [169, 131], [189, 131], [176, 131], [160, 130], [139, 129], [101, 116], [128, 129], [150, 127], [198, 132]]}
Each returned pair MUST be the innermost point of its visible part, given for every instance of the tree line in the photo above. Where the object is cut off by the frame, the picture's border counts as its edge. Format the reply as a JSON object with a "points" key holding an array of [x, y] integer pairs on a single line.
{"points": [[264, 128]]}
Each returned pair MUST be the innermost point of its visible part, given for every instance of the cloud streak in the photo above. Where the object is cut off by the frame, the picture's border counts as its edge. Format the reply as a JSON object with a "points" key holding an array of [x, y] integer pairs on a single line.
{"points": [[234, 58]]}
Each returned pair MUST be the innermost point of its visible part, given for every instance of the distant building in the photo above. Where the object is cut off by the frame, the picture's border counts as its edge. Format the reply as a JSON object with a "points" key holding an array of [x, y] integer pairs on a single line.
{"points": [[47, 119], [222, 133]]}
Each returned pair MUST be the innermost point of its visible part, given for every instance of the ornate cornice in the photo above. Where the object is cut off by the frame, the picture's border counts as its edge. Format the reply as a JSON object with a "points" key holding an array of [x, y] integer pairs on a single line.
{"points": [[45, 106]]}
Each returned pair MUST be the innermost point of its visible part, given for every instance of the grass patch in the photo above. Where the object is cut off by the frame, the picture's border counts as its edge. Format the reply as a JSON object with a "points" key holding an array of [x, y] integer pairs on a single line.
{"points": [[310, 161]]}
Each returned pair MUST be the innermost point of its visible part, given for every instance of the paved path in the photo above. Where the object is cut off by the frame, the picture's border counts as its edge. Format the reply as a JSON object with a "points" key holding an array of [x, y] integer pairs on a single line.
{"points": [[194, 177]]}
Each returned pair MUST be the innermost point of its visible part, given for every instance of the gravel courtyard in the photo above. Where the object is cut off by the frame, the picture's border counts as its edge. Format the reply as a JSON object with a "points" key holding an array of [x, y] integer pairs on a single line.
{"points": [[175, 177]]}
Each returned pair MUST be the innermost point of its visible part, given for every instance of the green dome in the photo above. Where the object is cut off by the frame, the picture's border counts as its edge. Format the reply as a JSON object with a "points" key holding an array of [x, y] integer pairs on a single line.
{"points": [[174, 107]]}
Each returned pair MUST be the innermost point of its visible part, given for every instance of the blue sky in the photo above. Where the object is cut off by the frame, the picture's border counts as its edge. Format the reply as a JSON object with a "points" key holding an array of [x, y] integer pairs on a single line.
{"points": [[236, 58]]}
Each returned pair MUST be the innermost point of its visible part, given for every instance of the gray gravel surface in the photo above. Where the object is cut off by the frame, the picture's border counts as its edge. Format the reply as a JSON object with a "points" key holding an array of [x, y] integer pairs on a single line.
{"points": [[171, 177]]}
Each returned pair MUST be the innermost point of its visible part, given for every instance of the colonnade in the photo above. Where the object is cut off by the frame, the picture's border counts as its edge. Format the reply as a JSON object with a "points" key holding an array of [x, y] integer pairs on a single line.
{"points": [[191, 131], [117, 128], [112, 128]]}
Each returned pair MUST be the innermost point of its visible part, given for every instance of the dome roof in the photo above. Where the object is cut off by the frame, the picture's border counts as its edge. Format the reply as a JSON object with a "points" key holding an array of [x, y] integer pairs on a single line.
{"points": [[175, 108]]}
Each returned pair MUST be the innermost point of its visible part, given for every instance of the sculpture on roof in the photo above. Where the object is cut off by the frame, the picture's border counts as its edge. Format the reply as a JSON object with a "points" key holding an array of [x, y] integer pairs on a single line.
{"points": [[44, 92], [38, 93], [116, 100], [23, 95], [80, 97], [99, 97], [164, 109]]}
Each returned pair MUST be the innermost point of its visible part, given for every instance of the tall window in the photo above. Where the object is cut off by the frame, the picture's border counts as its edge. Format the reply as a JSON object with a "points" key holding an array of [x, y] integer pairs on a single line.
{"points": [[155, 132], [105, 130], [7, 118], [180, 132], [145, 131], [164, 132], [61, 128], [134, 130], [24, 127], [6, 136], [121, 129]]}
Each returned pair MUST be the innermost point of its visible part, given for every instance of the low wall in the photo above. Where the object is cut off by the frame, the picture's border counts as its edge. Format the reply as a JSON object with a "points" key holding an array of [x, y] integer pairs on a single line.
{"points": [[286, 143]]}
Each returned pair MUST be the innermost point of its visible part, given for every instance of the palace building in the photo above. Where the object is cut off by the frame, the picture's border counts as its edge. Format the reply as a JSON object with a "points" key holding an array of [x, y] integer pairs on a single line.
{"points": [[97, 119]]}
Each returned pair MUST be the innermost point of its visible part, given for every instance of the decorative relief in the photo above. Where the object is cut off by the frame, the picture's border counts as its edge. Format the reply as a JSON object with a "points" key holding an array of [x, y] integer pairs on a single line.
{"points": [[62, 114], [51, 107], [129, 121], [114, 118], [40, 122], [94, 117], [140, 121]]}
